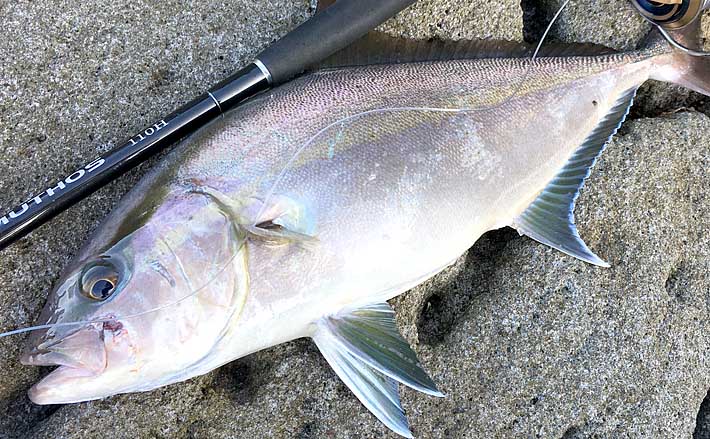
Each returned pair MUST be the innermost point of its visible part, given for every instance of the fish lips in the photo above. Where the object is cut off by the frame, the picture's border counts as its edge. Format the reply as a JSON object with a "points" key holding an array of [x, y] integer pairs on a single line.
{"points": [[81, 354]]}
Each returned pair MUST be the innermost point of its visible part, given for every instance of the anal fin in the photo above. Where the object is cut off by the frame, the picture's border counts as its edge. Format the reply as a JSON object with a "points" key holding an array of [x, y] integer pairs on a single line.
{"points": [[367, 352], [550, 218]]}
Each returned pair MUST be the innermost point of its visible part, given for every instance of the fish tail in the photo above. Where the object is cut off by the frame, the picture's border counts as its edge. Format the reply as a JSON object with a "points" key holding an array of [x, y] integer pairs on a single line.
{"points": [[678, 66]]}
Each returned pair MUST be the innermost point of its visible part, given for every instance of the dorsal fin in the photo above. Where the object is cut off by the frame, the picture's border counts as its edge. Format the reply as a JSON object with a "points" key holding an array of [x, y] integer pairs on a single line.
{"points": [[380, 48], [550, 218], [367, 352]]}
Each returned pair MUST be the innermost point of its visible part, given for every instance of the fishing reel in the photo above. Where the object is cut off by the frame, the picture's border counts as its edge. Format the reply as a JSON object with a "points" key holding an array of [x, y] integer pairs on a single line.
{"points": [[671, 14], [675, 17]]}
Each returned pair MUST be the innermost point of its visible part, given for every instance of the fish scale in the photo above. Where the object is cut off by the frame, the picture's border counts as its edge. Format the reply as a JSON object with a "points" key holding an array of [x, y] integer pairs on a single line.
{"points": [[277, 129]]}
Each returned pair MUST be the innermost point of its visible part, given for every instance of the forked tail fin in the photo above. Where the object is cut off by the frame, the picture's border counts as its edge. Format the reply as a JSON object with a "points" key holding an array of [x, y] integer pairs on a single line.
{"points": [[678, 66]]}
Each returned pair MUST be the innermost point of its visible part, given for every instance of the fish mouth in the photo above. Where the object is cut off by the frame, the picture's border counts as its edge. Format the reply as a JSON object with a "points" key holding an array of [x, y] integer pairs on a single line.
{"points": [[61, 387], [80, 355]]}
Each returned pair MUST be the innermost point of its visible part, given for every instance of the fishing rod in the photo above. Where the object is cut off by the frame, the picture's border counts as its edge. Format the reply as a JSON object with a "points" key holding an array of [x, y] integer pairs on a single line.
{"points": [[330, 30]]}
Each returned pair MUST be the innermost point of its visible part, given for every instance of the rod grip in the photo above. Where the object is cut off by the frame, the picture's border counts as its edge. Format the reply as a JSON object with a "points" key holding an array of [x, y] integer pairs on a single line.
{"points": [[327, 32]]}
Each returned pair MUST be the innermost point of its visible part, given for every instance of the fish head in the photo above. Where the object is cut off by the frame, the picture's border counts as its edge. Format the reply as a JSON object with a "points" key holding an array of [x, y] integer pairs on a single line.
{"points": [[146, 311]]}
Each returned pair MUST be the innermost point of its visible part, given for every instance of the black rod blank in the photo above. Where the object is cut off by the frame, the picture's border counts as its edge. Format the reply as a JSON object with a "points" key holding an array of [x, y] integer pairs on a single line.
{"points": [[329, 31], [40, 208]]}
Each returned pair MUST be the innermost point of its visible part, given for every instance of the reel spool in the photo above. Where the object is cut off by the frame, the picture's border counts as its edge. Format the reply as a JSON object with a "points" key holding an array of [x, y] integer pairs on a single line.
{"points": [[671, 14], [676, 18]]}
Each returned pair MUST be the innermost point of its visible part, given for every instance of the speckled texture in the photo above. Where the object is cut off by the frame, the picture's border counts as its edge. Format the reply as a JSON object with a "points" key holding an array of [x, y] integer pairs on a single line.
{"points": [[459, 19], [525, 341], [612, 23]]}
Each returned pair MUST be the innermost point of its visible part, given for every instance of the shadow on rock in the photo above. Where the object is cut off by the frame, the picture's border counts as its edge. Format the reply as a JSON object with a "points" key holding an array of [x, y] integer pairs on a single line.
{"points": [[442, 309], [20, 415]]}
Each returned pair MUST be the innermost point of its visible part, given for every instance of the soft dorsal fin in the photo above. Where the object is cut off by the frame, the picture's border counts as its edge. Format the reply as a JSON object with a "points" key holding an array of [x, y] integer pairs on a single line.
{"points": [[367, 352], [380, 48], [550, 218]]}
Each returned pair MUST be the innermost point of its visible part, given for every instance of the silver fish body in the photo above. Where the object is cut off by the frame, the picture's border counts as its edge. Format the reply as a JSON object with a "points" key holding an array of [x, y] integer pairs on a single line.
{"points": [[341, 189]]}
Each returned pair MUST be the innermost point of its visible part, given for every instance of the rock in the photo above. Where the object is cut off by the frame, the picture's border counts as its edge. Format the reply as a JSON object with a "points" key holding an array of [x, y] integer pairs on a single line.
{"points": [[582, 20], [459, 19], [523, 340], [702, 427]]}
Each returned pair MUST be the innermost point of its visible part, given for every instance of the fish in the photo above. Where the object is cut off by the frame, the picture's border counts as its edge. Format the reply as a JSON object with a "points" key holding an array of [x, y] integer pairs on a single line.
{"points": [[302, 212]]}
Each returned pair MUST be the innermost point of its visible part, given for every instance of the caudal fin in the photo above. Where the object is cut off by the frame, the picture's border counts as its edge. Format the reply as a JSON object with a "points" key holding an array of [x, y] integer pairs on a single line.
{"points": [[680, 67]]}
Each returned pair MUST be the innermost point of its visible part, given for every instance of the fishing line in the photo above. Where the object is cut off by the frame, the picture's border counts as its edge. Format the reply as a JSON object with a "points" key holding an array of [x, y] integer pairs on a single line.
{"points": [[129, 316], [347, 119], [282, 174], [673, 42]]}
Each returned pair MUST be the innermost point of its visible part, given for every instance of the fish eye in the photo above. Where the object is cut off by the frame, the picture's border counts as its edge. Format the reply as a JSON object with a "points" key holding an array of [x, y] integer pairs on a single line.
{"points": [[99, 281]]}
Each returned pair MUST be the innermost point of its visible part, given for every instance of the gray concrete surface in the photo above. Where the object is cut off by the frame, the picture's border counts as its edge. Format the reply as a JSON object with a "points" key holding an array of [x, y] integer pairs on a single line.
{"points": [[524, 341]]}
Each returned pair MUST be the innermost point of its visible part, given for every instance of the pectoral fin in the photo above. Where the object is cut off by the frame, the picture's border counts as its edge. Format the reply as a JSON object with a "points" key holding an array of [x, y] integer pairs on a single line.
{"points": [[285, 221], [272, 232], [368, 353], [550, 218]]}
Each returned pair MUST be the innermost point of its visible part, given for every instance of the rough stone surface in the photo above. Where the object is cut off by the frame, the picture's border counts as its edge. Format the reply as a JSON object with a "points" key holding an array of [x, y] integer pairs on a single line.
{"points": [[524, 341], [459, 19]]}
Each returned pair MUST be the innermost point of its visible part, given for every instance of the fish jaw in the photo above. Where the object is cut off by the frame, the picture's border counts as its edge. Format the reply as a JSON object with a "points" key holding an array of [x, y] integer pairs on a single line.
{"points": [[84, 349], [60, 387], [95, 363], [80, 356]]}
